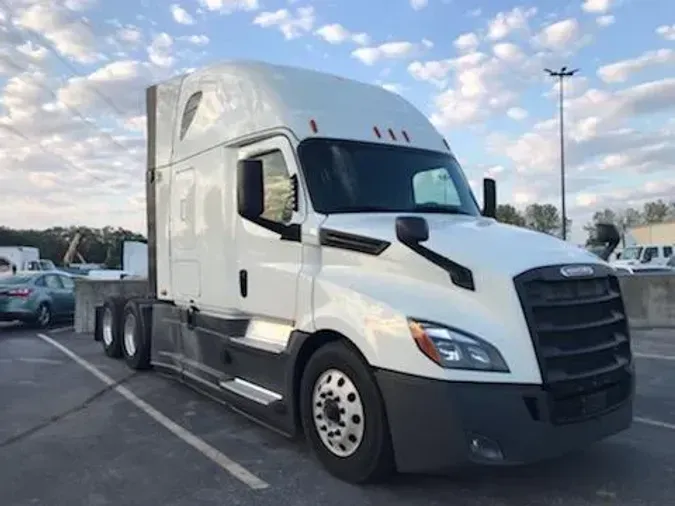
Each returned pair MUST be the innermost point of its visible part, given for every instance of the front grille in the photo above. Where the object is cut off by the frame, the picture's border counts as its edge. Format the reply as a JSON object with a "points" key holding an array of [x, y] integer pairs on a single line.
{"points": [[580, 334]]}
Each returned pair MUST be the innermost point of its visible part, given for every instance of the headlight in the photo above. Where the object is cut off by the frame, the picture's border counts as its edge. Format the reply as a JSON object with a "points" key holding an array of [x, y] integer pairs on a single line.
{"points": [[454, 349]]}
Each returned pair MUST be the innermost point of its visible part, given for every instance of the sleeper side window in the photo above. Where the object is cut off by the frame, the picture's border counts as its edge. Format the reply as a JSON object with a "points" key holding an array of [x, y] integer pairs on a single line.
{"points": [[191, 107], [278, 187]]}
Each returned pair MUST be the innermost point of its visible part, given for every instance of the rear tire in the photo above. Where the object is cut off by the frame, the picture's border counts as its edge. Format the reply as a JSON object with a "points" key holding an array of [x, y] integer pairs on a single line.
{"points": [[43, 316], [111, 326], [135, 338], [343, 415]]}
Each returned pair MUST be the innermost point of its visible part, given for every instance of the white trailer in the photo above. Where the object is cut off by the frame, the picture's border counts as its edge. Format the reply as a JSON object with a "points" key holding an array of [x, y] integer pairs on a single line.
{"points": [[21, 258], [318, 261]]}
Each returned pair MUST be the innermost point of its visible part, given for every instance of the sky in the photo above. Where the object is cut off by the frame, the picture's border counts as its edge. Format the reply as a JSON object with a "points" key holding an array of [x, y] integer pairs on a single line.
{"points": [[73, 75]]}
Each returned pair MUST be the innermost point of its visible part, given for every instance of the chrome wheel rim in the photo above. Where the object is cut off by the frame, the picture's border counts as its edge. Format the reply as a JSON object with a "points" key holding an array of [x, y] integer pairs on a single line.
{"points": [[338, 413], [107, 326], [130, 335]]}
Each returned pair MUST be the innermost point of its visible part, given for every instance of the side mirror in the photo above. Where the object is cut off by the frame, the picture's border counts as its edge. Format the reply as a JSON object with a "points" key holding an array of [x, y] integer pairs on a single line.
{"points": [[489, 197], [412, 229], [250, 189], [608, 234]]}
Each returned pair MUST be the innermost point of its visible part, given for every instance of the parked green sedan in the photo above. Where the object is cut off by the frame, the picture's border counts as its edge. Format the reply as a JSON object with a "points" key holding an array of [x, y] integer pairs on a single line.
{"points": [[37, 298]]}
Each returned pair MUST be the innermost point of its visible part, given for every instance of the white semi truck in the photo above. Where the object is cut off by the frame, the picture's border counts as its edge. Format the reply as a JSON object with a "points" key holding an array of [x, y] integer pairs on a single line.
{"points": [[318, 261]]}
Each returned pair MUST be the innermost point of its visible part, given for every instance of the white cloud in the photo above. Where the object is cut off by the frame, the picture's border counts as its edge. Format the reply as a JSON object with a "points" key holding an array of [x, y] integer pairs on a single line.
{"points": [[467, 42], [505, 23], [418, 4], [229, 6], [508, 52], [623, 70], [517, 113], [159, 51], [79, 5], [197, 40], [667, 32], [560, 35], [130, 34], [596, 128], [181, 16], [605, 20], [389, 50], [597, 6], [337, 34], [54, 164], [290, 25], [69, 36]]}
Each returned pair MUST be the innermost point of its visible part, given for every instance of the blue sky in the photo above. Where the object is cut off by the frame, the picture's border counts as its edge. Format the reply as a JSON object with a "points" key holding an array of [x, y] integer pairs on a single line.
{"points": [[475, 68]]}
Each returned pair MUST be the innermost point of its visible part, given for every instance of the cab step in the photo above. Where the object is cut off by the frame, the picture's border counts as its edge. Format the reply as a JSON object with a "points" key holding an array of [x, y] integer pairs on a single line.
{"points": [[250, 391]]}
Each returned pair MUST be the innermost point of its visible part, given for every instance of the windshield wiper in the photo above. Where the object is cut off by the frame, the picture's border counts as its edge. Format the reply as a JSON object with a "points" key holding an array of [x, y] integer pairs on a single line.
{"points": [[441, 209]]}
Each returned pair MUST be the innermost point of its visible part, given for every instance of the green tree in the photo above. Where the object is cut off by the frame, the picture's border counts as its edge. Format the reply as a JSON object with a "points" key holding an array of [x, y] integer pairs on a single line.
{"points": [[544, 218], [96, 246], [656, 212], [506, 213]]}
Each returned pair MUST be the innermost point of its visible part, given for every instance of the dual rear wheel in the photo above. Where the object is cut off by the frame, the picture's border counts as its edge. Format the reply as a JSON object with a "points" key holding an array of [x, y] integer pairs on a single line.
{"points": [[124, 333]]}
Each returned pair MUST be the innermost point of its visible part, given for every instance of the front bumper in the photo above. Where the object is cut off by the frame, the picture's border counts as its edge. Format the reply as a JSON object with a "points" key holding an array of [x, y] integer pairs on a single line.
{"points": [[438, 425]]}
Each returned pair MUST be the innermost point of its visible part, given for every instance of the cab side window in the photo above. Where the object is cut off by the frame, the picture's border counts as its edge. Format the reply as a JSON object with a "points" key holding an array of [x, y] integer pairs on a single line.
{"points": [[667, 251], [279, 198]]}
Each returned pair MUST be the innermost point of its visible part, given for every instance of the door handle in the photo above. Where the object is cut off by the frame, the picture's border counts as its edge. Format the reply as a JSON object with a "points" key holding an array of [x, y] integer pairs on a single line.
{"points": [[243, 283]]}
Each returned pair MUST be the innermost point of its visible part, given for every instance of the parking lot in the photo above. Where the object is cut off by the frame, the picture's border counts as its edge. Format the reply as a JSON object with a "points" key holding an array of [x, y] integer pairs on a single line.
{"points": [[77, 428]]}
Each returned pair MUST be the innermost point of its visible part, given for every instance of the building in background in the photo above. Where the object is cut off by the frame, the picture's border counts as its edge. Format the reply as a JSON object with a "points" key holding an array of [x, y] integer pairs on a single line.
{"points": [[655, 233]]}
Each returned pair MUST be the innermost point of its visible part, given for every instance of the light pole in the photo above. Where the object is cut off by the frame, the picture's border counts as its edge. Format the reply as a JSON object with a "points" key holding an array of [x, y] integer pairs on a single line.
{"points": [[561, 75]]}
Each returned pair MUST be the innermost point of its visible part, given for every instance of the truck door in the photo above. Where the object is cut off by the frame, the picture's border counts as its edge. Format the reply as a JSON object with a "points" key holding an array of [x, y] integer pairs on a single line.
{"points": [[270, 250]]}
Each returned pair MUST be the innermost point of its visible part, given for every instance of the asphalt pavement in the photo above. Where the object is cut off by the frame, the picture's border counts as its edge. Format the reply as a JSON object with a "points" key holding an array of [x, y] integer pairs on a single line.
{"points": [[77, 428]]}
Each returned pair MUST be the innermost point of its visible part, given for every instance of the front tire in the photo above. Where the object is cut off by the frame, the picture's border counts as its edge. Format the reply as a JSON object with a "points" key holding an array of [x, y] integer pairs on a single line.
{"points": [[343, 415]]}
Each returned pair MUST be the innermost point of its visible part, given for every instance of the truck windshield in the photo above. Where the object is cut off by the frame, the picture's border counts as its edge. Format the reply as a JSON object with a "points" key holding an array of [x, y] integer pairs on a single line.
{"points": [[349, 177], [631, 253]]}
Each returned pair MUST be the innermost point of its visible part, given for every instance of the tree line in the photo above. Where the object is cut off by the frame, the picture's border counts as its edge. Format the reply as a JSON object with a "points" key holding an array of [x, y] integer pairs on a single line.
{"points": [[96, 246], [546, 217]]}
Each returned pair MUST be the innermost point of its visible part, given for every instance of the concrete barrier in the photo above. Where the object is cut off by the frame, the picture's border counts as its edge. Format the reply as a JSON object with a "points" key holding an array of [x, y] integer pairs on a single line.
{"points": [[649, 298], [90, 293]]}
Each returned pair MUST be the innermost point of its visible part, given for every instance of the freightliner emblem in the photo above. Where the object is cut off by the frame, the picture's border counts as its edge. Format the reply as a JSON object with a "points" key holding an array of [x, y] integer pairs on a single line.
{"points": [[574, 271]]}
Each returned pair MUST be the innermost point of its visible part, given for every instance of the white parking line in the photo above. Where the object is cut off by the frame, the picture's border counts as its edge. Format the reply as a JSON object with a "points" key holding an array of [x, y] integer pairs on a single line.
{"points": [[654, 423], [198, 444], [654, 357]]}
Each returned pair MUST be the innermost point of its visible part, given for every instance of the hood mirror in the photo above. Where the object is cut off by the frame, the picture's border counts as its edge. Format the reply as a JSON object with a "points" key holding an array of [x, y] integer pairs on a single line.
{"points": [[607, 234], [412, 229]]}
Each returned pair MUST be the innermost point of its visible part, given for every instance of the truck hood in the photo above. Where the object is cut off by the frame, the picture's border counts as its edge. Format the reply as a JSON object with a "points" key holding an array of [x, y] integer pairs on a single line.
{"points": [[482, 244]]}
